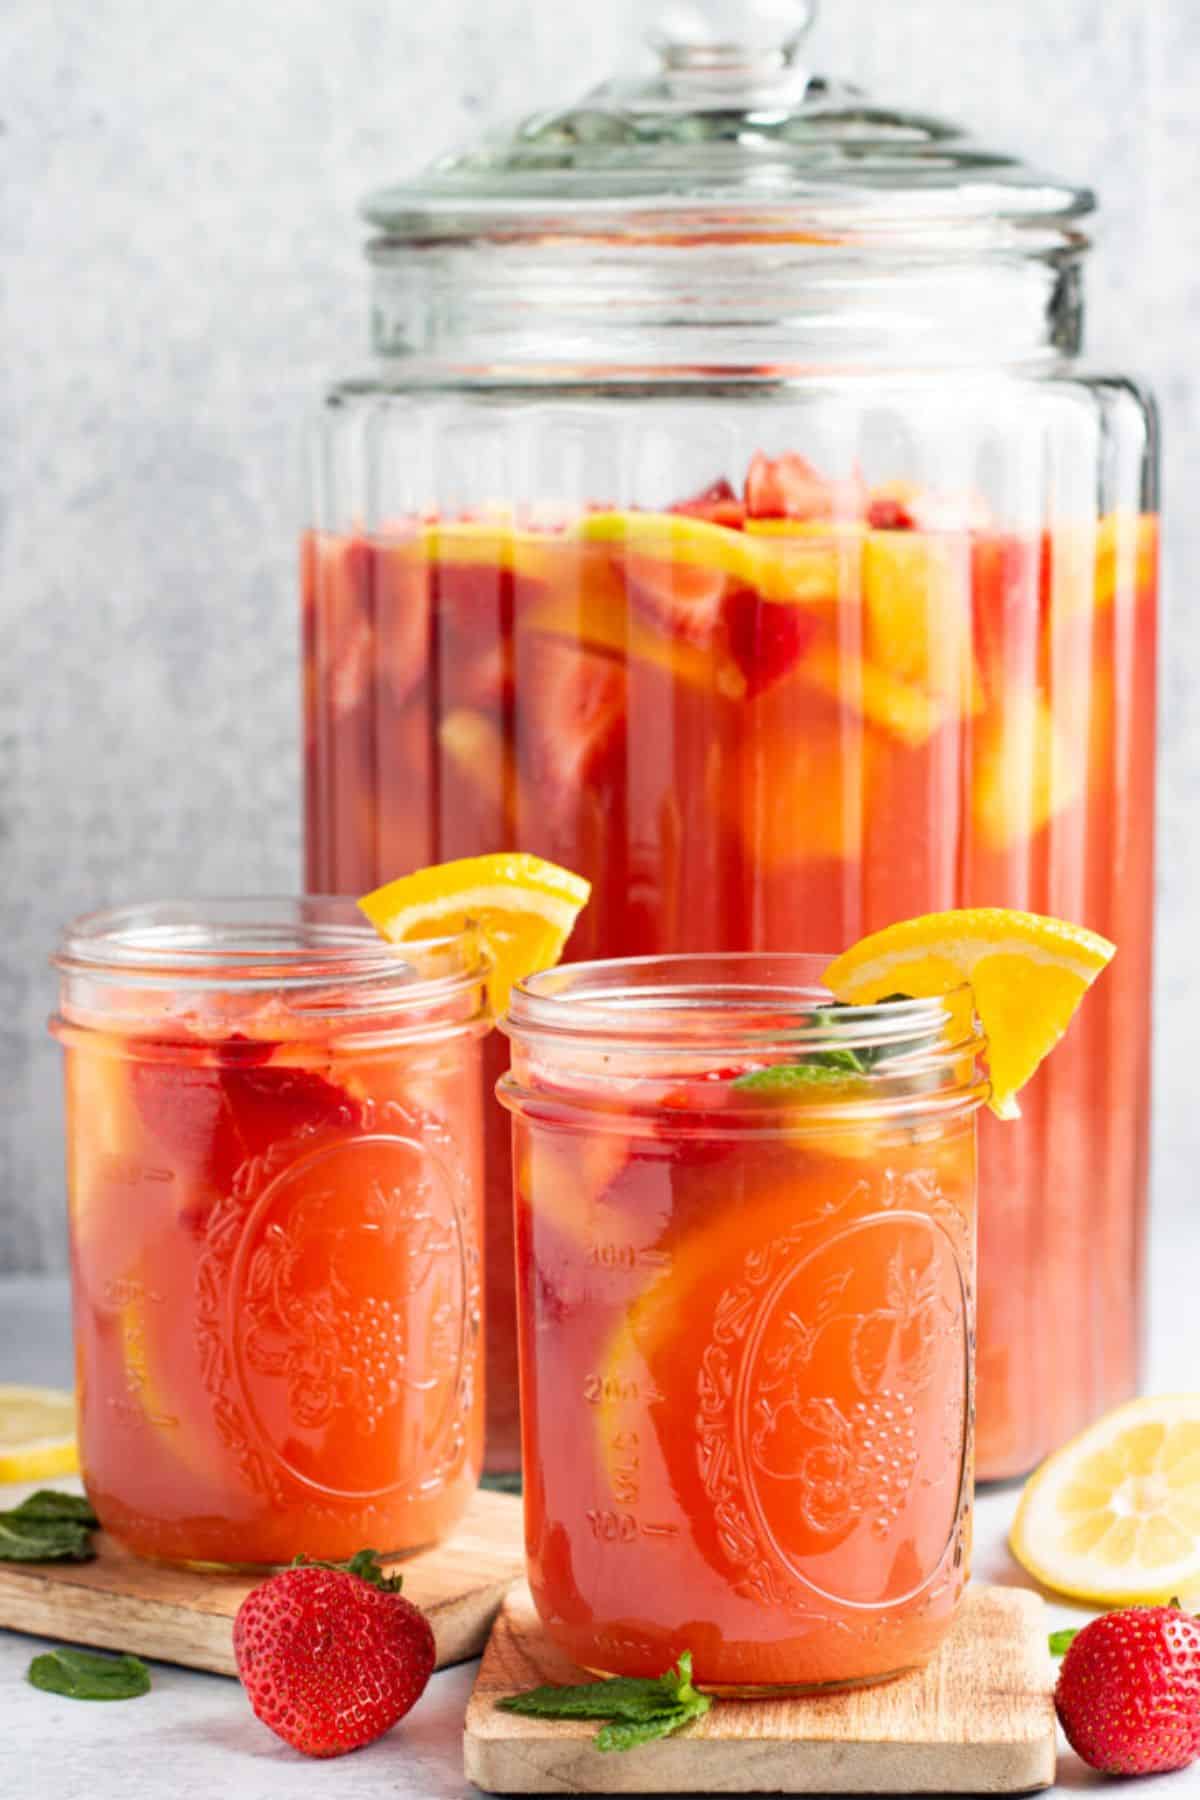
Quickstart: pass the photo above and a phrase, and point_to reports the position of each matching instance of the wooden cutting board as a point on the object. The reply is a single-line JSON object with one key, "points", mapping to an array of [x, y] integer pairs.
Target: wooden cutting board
{"points": [[978, 1719], [119, 1602]]}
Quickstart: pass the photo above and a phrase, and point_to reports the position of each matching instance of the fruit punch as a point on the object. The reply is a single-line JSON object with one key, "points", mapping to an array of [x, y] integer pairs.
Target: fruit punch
{"points": [[746, 1251], [275, 1179], [789, 715]]}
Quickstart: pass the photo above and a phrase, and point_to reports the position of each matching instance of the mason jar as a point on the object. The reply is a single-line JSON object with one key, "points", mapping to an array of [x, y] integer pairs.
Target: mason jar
{"points": [[727, 511], [745, 1226], [274, 1171]]}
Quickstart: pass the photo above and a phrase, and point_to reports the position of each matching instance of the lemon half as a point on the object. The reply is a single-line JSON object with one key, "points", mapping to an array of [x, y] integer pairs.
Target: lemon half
{"points": [[1114, 1516]]}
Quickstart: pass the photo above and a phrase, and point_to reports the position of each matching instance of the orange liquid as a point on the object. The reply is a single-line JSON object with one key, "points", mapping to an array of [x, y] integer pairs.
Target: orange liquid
{"points": [[951, 718], [746, 1397], [275, 1260]]}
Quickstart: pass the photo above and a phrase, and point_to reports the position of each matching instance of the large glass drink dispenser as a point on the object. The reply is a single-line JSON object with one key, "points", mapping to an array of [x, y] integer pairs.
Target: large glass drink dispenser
{"points": [[726, 512]]}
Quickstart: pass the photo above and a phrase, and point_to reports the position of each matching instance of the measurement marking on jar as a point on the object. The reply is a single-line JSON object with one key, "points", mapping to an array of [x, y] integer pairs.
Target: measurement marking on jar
{"points": [[624, 1528], [610, 1390], [626, 1256]]}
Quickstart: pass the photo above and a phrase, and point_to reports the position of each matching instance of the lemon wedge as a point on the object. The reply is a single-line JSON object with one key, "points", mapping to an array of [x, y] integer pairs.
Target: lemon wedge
{"points": [[523, 908], [1114, 1516], [1027, 974], [37, 1433]]}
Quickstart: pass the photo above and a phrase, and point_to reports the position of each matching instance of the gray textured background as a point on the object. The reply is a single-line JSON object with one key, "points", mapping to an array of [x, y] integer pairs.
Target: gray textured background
{"points": [[183, 273]]}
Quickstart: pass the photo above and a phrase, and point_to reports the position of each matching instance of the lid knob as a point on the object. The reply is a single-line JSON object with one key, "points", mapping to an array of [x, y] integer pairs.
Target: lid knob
{"points": [[731, 35]]}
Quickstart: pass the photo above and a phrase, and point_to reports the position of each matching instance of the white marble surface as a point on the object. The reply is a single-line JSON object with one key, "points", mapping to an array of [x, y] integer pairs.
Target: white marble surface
{"points": [[194, 1737], [183, 272]]}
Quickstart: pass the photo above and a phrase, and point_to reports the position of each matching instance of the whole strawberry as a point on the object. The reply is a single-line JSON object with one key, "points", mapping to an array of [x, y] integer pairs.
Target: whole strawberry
{"points": [[1128, 1694], [331, 1655]]}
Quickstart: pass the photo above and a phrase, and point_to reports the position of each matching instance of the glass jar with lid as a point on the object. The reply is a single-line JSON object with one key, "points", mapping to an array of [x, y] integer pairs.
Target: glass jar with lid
{"points": [[728, 513]]}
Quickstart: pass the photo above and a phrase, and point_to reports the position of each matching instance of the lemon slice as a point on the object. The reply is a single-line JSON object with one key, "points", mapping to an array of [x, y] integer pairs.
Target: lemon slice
{"points": [[1114, 1516], [37, 1433], [524, 909], [798, 572], [1027, 974]]}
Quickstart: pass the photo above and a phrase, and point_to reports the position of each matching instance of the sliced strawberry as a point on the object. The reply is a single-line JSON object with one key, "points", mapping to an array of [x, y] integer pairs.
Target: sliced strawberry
{"points": [[766, 638], [681, 598], [717, 503], [575, 705], [885, 513], [400, 605], [788, 487], [207, 1118]]}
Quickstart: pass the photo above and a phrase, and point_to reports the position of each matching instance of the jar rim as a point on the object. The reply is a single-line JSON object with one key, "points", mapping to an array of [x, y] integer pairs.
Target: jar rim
{"points": [[303, 944], [656, 1000]]}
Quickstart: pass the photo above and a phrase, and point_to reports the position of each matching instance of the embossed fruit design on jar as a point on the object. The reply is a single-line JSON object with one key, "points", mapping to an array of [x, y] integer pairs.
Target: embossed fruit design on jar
{"points": [[746, 1288], [274, 1156]]}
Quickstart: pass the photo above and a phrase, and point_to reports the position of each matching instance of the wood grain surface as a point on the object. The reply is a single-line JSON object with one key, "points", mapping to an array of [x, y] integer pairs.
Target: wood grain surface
{"points": [[120, 1602], [978, 1719]]}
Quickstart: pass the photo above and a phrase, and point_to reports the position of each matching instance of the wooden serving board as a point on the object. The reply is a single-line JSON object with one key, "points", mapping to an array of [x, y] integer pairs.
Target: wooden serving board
{"points": [[120, 1602], [978, 1719]]}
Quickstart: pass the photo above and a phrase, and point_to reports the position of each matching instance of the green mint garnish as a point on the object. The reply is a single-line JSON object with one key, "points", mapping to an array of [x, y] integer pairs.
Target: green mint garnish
{"points": [[826, 1065], [1061, 1641], [81, 1676], [48, 1527], [638, 1708], [365, 1564], [627, 1734], [782, 1076], [48, 1503]]}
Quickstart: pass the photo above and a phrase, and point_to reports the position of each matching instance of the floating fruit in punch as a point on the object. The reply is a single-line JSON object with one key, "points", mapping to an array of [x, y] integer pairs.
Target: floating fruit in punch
{"points": [[1114, 1516], [524, 909], [1027, 975], [790, 709]]}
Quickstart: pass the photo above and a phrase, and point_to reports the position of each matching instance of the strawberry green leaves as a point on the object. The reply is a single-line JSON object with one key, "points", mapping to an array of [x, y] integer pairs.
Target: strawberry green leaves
{"points": [[637, 1709], [365, 1564]]}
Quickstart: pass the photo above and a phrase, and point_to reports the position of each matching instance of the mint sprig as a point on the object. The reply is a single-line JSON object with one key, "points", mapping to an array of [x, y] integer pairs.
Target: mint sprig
{"points": [[48, 1527], [826, 1065], [638, 1708], [81, 1676], [365, 1564]]}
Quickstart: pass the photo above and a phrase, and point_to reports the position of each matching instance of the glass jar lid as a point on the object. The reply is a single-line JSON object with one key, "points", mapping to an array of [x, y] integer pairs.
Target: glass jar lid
{"points": [[733, 136]]}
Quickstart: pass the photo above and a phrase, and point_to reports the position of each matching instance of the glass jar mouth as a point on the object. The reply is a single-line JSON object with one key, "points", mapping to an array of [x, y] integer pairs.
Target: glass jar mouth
{"points": [[754, 1033], [312, 947], [746, 1000]]}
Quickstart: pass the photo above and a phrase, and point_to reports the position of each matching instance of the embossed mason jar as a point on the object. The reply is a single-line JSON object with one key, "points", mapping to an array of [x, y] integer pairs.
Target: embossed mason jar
{"points": [[745, 1227], [274, 1174]]}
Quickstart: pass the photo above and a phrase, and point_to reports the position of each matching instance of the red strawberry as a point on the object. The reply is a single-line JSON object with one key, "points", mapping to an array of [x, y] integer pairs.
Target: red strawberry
{"points": [[330, 1656], [575, 709], [788, 487], [717, 503], [1128, 1694], [683, 599], [766, 638]]}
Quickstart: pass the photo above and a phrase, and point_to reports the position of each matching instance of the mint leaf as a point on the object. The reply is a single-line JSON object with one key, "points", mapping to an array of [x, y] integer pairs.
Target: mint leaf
{"points": [[639, 1708], [81, 1676], [48, 1503], [628, 1734], [26, 1539], [365, 1564], [1061, 1641], [782, 1077], [827, 1065]]}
